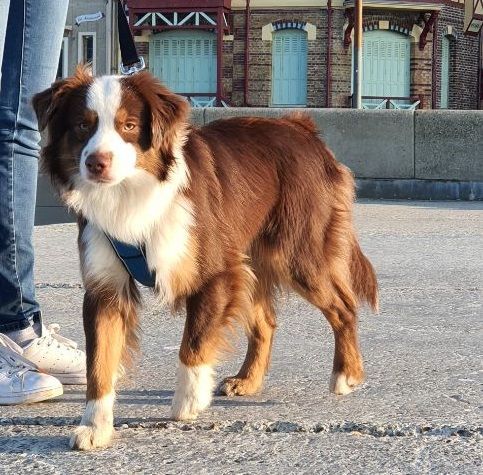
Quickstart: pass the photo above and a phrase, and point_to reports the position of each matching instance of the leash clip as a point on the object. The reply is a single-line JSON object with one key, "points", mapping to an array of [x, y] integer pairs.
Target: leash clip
{"points": [[133, 68]]}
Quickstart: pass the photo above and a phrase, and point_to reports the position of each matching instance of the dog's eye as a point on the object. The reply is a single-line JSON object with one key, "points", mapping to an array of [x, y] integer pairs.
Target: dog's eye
{"points": [[83, 126], [128, 126]]}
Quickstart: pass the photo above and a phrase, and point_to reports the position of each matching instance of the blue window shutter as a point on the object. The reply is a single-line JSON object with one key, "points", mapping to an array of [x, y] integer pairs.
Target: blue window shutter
{"points": [[289, 68], [185, 60], [385, 64]]}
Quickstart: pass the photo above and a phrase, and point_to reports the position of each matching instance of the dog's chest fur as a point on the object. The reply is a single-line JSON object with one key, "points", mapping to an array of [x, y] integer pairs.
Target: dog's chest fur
{"points": [[140, 211]]}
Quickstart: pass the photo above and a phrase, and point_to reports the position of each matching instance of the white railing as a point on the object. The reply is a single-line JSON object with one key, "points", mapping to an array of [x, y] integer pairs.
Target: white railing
{"points": [[386, 102], [198, 100]]}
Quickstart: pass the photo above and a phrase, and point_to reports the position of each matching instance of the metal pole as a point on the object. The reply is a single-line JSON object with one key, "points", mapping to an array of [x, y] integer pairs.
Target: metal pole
{"points": [[247, 53], [109, 37], [434, 76], [220, 27], [479, 100], [328, 78], [357, 72]]}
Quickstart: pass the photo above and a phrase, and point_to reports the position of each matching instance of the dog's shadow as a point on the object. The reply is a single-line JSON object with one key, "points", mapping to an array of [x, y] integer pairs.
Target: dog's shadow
{"points": [[159, 397], [141, 397]]}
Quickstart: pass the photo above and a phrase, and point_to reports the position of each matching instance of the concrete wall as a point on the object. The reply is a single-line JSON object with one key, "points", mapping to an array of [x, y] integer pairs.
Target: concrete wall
{"points": [[449, 145], [394, 154]]}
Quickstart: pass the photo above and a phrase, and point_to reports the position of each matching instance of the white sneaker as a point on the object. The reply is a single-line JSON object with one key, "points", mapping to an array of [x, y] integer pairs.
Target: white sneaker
{"points": [[20, 381], [57, 356]]}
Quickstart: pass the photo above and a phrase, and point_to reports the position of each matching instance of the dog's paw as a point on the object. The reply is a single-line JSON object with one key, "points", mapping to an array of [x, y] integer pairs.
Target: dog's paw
{"points": [[90, 437], [187, 405], [342, 384], [194, 390], [187, 409], [234, 386]]}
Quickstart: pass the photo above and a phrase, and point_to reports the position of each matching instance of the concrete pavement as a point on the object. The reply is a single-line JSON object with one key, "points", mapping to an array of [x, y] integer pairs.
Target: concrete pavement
{"points": [[418, 412]]}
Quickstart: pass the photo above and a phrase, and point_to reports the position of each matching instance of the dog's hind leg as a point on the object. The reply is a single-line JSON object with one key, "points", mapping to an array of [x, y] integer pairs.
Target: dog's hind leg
{"points": [[210, 314], [331, 291], [340, 312], [323, 274], [260, 332], [109, 324], [347, 371]]}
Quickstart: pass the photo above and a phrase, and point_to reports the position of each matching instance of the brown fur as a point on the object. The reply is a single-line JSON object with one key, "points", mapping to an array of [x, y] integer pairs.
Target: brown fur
{"points": [[111, 327], [273, 208]]}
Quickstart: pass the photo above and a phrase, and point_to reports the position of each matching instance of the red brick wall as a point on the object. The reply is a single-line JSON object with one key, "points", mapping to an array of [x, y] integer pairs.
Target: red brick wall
{"points": [[464, 63], [143, 50], [228, 70], [421, 72], [341, 62], [260, 70]]}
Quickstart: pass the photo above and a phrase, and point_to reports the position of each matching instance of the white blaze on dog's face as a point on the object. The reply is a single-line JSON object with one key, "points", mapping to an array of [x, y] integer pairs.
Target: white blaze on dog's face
{"points": [[108, 156]]}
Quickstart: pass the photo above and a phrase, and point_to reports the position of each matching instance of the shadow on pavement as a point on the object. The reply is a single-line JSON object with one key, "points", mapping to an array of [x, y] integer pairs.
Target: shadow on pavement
{"points": [[34, 444], [158, 397], [458, 205]]}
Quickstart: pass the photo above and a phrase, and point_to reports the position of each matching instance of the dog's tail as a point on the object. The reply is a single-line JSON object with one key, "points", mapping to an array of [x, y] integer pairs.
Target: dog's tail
{"points": [[364, 280]]}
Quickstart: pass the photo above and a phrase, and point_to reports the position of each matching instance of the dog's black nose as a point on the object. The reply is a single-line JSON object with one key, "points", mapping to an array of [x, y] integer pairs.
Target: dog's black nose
{"points": [[99, 162]]}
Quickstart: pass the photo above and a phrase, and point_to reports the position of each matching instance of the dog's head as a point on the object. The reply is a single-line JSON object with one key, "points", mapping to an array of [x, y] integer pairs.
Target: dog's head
{"points": [[103, 130]]}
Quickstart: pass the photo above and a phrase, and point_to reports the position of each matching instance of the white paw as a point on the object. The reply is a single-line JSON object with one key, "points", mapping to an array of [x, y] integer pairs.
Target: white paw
{"points": [[96, 426], [194, 390], [89, 437], [341, 384]]}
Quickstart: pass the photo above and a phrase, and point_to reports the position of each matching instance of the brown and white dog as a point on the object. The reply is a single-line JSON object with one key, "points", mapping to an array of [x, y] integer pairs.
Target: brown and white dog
{"points": [[227, 213]]}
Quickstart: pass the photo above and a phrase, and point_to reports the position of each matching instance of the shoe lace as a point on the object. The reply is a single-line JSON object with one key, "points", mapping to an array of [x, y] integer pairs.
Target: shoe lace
{"points": [[50, 337], [12, 362]]}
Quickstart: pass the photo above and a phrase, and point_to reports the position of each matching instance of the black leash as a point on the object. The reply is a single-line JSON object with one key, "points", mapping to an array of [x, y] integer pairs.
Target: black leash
{"points": [[131, 61]]}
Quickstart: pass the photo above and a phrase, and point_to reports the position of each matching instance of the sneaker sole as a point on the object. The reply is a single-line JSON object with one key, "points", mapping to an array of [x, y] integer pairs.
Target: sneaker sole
{"points": [[71, 378], [30, 398]]}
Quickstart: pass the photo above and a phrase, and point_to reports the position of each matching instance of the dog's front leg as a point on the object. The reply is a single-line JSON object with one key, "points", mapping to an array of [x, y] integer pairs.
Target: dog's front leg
{"points": [[203, 335], [105, 326]]}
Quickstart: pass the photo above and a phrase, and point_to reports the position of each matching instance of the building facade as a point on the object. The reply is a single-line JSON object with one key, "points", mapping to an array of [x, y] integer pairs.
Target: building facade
{"points": [[89, 37], [299, 52]]}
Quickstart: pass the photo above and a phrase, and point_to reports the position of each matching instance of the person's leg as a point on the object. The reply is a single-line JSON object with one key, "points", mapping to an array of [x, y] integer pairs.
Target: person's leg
{"points": [[36, 386], [4, 7], [30, 59]]}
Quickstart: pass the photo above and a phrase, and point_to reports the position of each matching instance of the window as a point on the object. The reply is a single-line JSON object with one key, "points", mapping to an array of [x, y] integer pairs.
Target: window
{"points": [[63, 68], [86, 52]]}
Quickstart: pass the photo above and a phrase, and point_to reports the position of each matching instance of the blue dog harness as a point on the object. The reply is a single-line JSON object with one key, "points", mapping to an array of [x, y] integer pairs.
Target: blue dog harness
{"points": [[134, 260]]}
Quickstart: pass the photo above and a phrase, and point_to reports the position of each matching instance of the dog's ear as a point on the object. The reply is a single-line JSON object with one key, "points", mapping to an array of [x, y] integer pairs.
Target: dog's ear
{"points": [[46, 103], [169, 118], [169, 112]]}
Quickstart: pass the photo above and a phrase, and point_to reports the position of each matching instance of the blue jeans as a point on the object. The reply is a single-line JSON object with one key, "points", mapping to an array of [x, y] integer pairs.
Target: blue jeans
{"points": [[30, 39]]}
